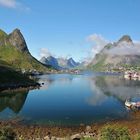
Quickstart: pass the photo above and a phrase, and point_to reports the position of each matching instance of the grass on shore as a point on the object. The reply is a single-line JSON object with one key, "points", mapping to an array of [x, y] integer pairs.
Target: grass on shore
{"points": [[108, 132]]}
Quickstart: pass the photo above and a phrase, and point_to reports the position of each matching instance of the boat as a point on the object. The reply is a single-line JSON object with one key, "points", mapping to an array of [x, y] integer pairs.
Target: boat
{"points": [[130, 104], [132, 75]]}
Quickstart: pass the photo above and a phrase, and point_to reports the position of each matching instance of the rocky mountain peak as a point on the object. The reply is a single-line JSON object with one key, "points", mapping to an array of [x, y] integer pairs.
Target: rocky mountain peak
{"points": [[125, 38], [72, 63], [70, 59], [16, 39], [43, 59]]}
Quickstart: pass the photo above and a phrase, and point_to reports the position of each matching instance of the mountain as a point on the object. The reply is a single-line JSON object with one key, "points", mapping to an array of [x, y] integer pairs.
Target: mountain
{"points": [[51, 61], [62, 62], [14, 101], [14, 51], [125, 38], [59, 63], [71, 63], [122, 54]]}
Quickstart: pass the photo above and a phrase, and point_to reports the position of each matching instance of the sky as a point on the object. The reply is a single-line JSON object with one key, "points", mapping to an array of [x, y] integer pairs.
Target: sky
{"points": [[70, 28]]}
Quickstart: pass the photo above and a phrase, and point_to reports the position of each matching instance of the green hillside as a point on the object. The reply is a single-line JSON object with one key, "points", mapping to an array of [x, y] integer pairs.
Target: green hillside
{"points": [[15, 59], [19, 60], [9, 78], [14, 51]]}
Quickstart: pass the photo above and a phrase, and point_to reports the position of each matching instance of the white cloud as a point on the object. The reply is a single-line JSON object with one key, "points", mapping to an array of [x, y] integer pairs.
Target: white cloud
{"points": [[44, 52], [8, 3], [14, 4], [126, 48], [98, 42]]}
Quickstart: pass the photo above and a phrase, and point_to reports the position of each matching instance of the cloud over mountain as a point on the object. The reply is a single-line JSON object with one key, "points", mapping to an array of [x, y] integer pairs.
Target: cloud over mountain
{"points": [[98, 42], [44, 52]]}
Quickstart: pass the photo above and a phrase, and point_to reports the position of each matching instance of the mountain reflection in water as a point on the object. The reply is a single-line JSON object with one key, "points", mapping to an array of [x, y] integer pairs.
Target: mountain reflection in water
{"points": [[72, 99], [13, 101], [117, 87]]}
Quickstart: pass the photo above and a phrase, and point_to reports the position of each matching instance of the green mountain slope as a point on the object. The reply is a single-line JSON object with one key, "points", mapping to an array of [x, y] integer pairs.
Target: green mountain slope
{"points": [[14, 51]]}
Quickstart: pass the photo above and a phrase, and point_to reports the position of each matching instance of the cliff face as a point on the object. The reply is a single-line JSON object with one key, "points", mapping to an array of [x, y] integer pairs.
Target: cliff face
{"points": [[16, 39]]}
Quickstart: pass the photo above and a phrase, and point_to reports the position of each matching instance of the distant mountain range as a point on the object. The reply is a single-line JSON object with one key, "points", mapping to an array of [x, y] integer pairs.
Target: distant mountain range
{"points": [[59, 63], [118, 55], [15, 53]]}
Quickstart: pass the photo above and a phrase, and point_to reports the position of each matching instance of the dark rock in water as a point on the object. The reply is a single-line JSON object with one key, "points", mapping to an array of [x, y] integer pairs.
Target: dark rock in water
{"points": [[16, 39]]}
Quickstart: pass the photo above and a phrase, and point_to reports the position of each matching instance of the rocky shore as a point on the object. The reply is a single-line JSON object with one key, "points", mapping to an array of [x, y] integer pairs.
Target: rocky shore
{"points": [[83, 132]]}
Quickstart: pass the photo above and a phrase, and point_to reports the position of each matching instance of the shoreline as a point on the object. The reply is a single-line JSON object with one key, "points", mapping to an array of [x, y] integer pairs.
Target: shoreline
{"points": [[38, 131], [6, 87]]}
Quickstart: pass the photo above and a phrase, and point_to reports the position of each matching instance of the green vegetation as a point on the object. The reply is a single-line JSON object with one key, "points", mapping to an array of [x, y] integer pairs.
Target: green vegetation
{"points": [[107, 132], [2, 34], [14, 51], [136, 136], [87, 139], [7, 133], [19, 60], [99, 66], [15, 59], [114, 133]]}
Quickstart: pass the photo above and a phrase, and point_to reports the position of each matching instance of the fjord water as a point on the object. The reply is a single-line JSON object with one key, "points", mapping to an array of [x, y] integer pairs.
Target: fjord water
{"points": [[66, 99]]}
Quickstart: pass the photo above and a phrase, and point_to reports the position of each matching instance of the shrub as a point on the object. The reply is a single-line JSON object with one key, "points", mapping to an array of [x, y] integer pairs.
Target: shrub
{"points": [[136, 137], [7, 133], [87, 139], [114, 133]]}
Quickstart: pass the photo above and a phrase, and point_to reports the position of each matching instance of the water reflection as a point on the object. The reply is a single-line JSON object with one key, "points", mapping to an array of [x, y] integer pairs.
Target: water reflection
{"points": [[104, 87], [13, 101], [72, 99], [48, 80]]}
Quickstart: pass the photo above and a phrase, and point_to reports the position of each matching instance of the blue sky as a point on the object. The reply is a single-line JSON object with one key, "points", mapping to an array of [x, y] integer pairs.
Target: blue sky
{"points": [[63, 27]]}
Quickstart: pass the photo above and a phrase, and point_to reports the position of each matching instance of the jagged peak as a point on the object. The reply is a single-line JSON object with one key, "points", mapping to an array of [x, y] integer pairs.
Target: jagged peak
{"points": [[16, 39], [70, 58], [125, 38], [43, 57], [16, 30]]}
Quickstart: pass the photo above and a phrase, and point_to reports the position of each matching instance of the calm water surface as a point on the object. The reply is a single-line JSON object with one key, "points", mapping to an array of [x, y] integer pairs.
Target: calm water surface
{"points": [[66, 99]]}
